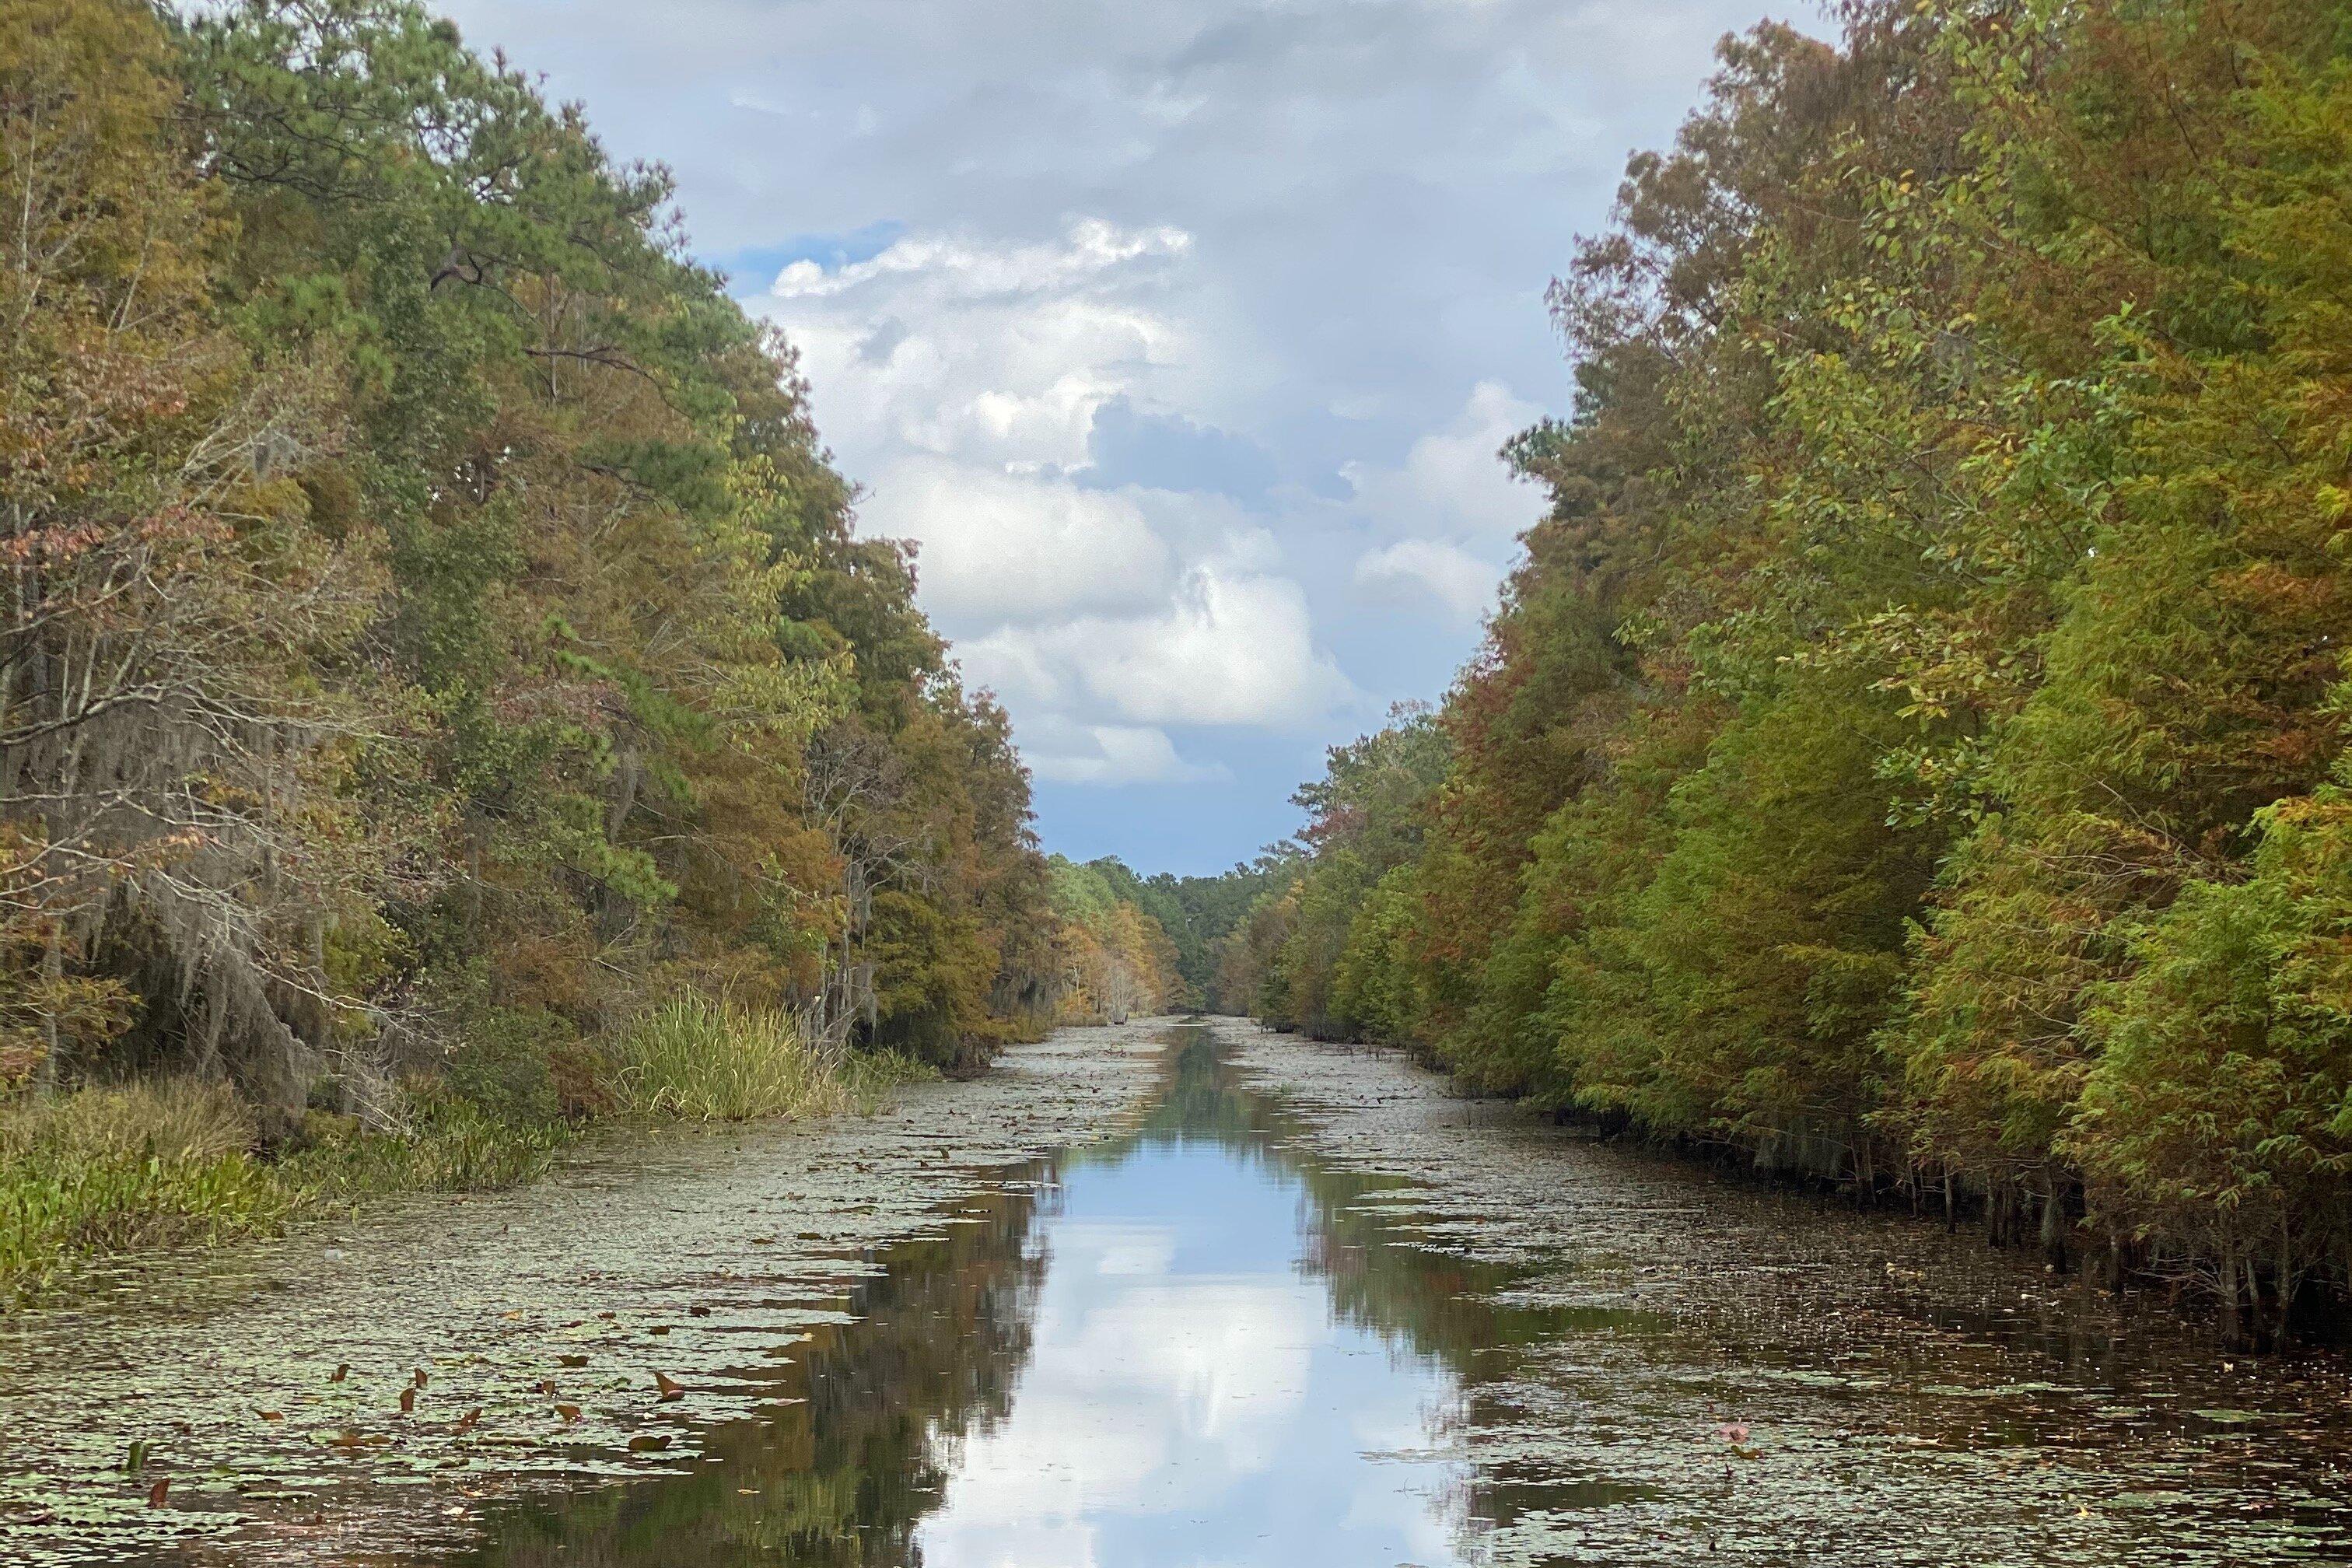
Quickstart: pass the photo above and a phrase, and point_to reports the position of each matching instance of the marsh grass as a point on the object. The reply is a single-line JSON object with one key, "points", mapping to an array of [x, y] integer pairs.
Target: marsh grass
{"points": [[165, 1162], [695, 1059], [449, 1144], [110, 1170], [170, 1162]]}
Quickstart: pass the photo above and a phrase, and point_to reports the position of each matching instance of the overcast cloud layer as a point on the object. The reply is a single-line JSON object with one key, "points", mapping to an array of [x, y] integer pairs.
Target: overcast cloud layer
{"points": [[1182, 336]]}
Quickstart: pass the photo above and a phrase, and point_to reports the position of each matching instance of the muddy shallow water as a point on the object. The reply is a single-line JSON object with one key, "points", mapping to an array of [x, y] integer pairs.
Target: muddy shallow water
{"points": [[1174, 1295]]}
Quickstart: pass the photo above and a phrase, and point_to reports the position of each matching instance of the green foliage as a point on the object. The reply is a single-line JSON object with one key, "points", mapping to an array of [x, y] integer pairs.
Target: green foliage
{"points": [[108, 1169], [1903, 752], [1115, 955], [171, 1163], [437, 631], [1195, 913], [2217, 1114], [1365, 820]]}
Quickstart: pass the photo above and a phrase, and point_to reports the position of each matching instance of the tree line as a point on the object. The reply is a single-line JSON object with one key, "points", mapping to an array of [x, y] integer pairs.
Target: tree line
{"points": [[1911, 750], [434, 632]]}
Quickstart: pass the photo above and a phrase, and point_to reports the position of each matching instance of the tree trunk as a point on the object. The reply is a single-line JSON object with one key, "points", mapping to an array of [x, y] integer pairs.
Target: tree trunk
{"points": [[2053, 1223], [2283, 1290], [2233, 1329], [53, 974]]}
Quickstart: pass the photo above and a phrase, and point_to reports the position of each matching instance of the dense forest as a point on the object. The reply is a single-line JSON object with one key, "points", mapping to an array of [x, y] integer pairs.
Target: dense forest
{"points": [[437, 649], [1911, 749], [1183, 920], [445, 696]]}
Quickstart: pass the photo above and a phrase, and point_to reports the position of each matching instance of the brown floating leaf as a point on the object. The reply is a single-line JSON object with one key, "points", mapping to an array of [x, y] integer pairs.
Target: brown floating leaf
{"points": [[421, 1378], [271, 1415], [569, 1412], [572, 1361], [465, 1423], [698, 1312], [346, 1438], [606, 1316], [156, 1493], [658, 1329], [407, 1400], [343, 1371], [648, 1445], [670, 1388], [547, 1386]]}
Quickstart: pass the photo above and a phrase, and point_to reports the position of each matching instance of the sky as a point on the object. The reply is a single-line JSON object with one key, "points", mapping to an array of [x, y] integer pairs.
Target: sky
{"points": [[1181, 336]]}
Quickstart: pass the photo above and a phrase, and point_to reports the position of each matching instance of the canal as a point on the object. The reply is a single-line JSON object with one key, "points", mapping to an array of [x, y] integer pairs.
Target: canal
{"points": [[1214, 1340], [1184, 1294]]}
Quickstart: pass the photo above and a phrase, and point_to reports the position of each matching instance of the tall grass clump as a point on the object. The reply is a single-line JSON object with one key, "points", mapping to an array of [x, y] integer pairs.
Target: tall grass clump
{"points": [[697, 1060], [871, 1075], [447, 1145], [100, 1170]]}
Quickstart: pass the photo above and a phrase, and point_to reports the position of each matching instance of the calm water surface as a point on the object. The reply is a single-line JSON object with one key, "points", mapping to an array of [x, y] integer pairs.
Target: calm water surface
{"points": [[1199, 1344], [1162, 1352], [1353, 1325]]}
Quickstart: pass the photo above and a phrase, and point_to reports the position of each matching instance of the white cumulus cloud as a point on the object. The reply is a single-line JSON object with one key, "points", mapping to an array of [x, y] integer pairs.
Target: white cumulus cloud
{"points": [[1226, 649], [953, 266], [966, 379], [1000, 548], [1450, 483], [1428, 571], [993, 354], [1110, 754]]}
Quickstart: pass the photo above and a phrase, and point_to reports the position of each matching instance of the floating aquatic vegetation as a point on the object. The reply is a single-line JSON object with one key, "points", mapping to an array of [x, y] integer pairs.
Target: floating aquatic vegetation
{"points": [[332, 1326], [1802, 1373], [1655, 1365]]}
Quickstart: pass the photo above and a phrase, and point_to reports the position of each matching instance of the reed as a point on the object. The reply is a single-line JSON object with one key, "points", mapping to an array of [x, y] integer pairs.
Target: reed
{"points": [[697, 1060]]}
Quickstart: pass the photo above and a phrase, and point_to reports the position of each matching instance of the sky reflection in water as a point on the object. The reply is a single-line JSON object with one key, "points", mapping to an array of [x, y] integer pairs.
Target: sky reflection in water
{"points": [[1183, 1347], [1196, 1346], [1193, 1397]]}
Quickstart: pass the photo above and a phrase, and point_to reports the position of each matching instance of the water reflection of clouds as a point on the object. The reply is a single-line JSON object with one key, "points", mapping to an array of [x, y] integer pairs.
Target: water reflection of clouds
{"points": [[1191, 1398]]}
